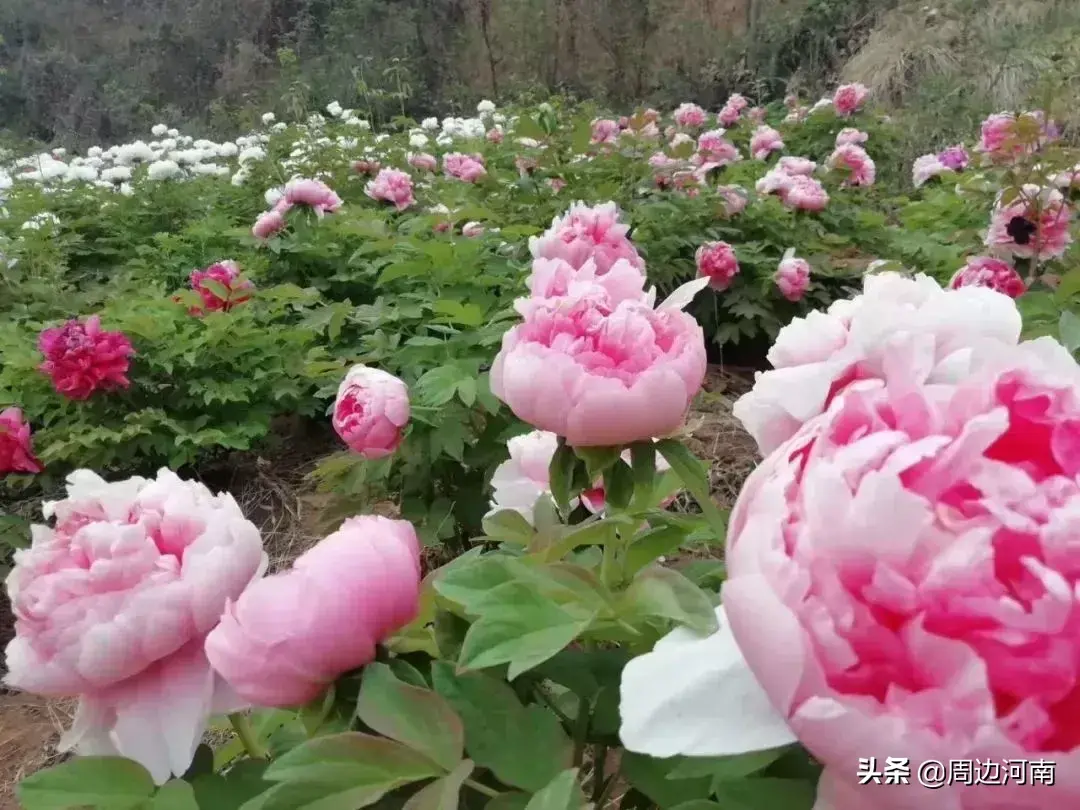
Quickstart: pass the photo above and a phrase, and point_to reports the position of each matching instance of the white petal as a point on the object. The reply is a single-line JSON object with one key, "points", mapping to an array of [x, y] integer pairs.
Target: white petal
{"points": [[695, 695], [684, 294]]}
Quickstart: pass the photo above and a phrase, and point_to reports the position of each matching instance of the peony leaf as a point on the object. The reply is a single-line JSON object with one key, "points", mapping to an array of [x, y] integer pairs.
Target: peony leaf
{"points": [[508, 525], [444, 793], [1069, 330], [174, 795], [352, 761], [649, 545], [665, 593], [561, 793], [692, 473], [113, 782]]}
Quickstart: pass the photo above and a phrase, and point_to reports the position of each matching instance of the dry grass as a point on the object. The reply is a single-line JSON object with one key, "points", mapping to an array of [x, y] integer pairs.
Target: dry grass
{"points": [[30, 727]]}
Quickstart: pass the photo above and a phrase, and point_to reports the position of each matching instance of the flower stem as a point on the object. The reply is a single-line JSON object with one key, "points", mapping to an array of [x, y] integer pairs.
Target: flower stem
{"points": [[479, 788], [242, 726]]}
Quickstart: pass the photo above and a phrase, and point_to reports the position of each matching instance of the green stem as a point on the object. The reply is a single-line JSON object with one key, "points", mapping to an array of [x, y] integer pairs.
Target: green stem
{"points": [[242, 726], [479, 788]]}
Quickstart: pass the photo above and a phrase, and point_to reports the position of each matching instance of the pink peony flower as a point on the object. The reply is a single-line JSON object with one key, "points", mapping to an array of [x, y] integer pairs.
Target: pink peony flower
{"points": [[804, 194], [689, 115], [851, 135], [716, 261], [289, 636], [816, 357], [16, 448], [368, 167], [1006, 137], [854, 161], [495, 136], [424, 162], [791, 101], [556, 278], [849, 98], [81, 358], [392, 186], [520, 481], [238, 290], [604, 130], [926, 168], [662, 162], [713, 147], [463, 167], [1034, 225], [624, 122], [986, 271], [735, 199], [792, 276], [268, 224], [650, 116], [587, 232], [737, 102], [371, 411], [764, 142], [601, 375], [113, 603], [728, 116], [556, 184], [313, 193], [679, 139], [471, 230], [955, 158], [756, 115], [796, 165]]}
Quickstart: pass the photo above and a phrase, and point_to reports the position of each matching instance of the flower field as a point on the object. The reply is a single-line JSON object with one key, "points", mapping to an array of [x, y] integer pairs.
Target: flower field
{"points": [[481, 339]]}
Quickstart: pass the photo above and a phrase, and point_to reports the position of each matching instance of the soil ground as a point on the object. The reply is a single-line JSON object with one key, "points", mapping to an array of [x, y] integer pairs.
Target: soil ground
{"points": [[277, 496]]}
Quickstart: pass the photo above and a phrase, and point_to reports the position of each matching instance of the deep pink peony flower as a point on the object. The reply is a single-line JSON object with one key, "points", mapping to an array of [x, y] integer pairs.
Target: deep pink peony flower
{"points": [[371, 411], [986, 271], [226, 273], [81, 358], [424, 162], [764, 142], [604, 130], [392, 186], [689, 115], [466, 168], [1006, 137], [268, 224], [851, 135], [853, 160], [792, 276], [290, 635], [804, 194], [796, 165], [816, 357], [716, 261], [587, 232], [313, 193], [1034, 225], [849, 98], [16, 448], [113, 603], [955, 158], [598, 374]]}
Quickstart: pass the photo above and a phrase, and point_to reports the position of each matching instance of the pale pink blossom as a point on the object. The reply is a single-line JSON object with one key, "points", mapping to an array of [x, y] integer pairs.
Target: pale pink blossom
{"points": [[392, 186], [424, 162], [764, 142], [791, 101], [728, 116], [849, 98], [113, 603], [775, 181], [1006, 137], [604, 130], [520, 481], [556, 278], [81, 358], [717, 262], [735, 199], [587, 232], [466, 168], [792, 276], [268, 224], [1033, 225], [737, 101], [650, 116], [986, 271], [313, 193], [851, 135], [471, 230], [371, 411], [804, 194], [16, 449], [756, 115], [926, 168], [713, 147], [796, 165], [495, 135], [290, 635], [857, 166], [662, 162], [689, 115], [679, 139]]}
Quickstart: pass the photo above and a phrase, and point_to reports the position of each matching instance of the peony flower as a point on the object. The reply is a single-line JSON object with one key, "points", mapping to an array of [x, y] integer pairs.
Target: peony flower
{"points": [[556, 278], [520, 481], [81, 358], [851, 135], [679, 139], [371, 411], [689, 115], [366, 167], [737, 101], [734, 197], [816, 357], [650, 116], [713, 147], [955, 158], [290, 635], [775, 181], [556, 184], [855, 162], [471, 230], [392, 186], [226, 273], [16, 449], [494, 135], [717, 262], [604, 130], [112, 605], [804, 194], [757, 115], [601, 374], [728, 116], [848, 98], [901, 583], [986, 271], [424, 162], [466, 168], [313, 193], [1033, 225], [792, 276], [268, 224], [587, 232], [764, 142], [796, 165], [926, 168]]}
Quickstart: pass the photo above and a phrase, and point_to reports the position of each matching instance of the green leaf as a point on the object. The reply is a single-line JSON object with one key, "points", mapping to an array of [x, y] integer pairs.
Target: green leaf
{"points": [[524, 746], [112, 782], [352, 760], [649, 776], [643, 465], [1069, 330], [618, 485], [690, 471], [667, 594], [597, 459], [561, 476], [509, 526], [471, 584], [528, 127], [522, 628], [467, 391], [723, 769], [765, 793], [444, 793], [418, 718], [646, 547], [561, 793], [174, 795], [511, 800], [242, 782], [217, 288]]}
